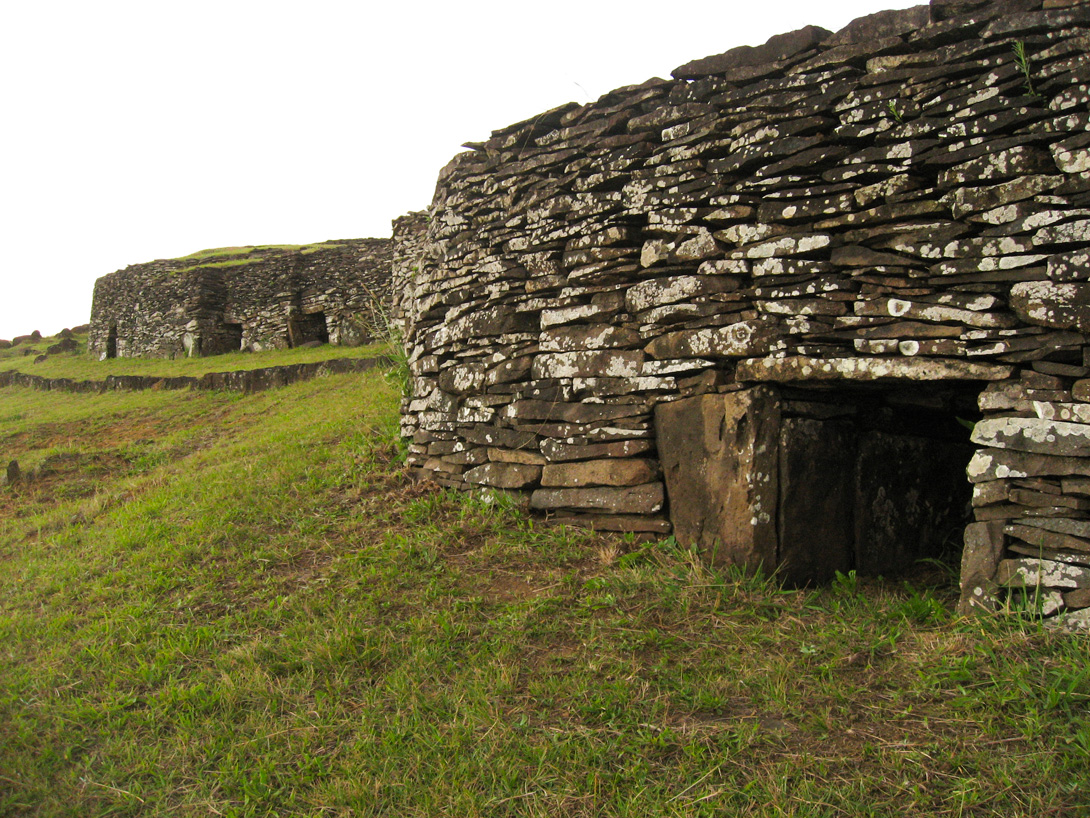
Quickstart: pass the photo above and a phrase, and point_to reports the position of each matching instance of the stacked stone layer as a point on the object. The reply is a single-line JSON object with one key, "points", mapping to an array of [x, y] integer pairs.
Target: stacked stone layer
{"points": [[904, 201], [265, 298], [239, 380], [409, 233]]}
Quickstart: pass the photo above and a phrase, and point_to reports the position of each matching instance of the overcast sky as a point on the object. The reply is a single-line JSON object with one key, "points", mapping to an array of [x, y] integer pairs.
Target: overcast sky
{"points": [[140, 130]]}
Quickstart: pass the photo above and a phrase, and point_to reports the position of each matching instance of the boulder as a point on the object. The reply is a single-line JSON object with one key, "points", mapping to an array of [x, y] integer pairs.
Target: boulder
{"points": [[69, 344]]}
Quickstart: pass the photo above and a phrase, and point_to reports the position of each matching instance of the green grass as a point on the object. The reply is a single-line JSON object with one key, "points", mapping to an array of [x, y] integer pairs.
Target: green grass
{"points": [[216, 604], [233, 262], [245, 250], [216, 252], [78, 365], [253, 253]]}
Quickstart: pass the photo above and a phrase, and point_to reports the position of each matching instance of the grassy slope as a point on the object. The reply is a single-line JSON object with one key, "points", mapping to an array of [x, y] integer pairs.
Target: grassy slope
{"points": [[215, 604], [78, 365]]}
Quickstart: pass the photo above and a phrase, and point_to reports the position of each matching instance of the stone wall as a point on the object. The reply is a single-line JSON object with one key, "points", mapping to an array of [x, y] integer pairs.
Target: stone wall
{"points": [[899, 210], [238, 380], [409, 234], [242, 298]]}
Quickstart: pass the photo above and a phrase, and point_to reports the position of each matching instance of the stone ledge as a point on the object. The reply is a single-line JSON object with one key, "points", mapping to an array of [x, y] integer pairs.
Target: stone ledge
{"points": [[800, 368], [244, 380]]}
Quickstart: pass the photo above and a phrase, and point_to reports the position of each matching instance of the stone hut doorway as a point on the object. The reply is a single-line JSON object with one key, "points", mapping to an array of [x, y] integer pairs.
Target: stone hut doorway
{"points": [[111, 342], [307, 328], [806, 481], [232, 336]]}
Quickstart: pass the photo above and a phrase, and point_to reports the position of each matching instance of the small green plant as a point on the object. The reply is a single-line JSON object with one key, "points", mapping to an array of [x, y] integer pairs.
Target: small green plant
{"points": [[846, 585], [391, 334], [892, 106], [1021, 59]]}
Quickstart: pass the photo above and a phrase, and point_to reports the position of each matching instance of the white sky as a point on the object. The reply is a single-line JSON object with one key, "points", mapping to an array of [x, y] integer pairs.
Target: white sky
{"points": [[131, 131]]}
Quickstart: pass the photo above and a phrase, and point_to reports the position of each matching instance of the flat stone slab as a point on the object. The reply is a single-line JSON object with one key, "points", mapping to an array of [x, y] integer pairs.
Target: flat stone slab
{"points": [[1037, 435], [1032, 573], [504, 475], [799, 368], [1003, 464], [645, 499], [1053, 304], [732, 341], [1074, 622], [776, 48], [719, 454], [1046, 538], [591, 363], [611, 472]]}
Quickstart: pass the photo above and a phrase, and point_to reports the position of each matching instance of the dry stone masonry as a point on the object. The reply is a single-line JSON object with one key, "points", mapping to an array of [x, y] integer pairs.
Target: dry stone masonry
{"points": [[243, 298], [762, 303], [409, 234]]}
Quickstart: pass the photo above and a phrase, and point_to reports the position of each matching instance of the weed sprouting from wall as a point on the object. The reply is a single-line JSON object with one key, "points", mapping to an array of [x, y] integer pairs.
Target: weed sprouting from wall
{"points": [[1021, 59], [391, 334]]}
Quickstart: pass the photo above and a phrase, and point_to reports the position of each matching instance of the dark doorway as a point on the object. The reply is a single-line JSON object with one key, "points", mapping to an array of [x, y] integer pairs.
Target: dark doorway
{"points": [[882, 471], [809, 482], [233, 334], [111, 342], [229, 337], [307, 329]]}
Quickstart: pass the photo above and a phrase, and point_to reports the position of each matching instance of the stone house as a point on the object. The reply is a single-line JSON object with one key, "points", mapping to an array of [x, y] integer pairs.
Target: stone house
{"points": [[243, 298], [785, 302]]}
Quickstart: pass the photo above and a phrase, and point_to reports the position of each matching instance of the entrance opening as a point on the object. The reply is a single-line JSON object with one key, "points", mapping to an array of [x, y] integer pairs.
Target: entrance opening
{"points": [[308, 328], [227, 338], [873, 481], [233, 336], [807, 482], [111, 342]]}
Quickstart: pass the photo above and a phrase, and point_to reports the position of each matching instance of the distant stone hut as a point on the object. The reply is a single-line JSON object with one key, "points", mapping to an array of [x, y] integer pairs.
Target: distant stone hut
{"points": [[762, 304], [249, 298]]}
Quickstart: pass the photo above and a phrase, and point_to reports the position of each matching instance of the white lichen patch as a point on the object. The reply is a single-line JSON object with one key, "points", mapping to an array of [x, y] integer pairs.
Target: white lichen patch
{"points": [[659, 291], [1073, 412], [1073, 622], [568, 315], [1041, 573], [786, 246], [896, 307], [1033, 435]]}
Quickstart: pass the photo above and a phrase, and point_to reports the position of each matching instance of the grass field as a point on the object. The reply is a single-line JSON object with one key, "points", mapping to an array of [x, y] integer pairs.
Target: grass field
{"points": [[215, 604], [78, 365]]}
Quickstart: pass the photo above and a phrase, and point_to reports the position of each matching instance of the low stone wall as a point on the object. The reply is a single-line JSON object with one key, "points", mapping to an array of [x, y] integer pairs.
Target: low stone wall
{"points": [[900, 204], [242, 380], [243, 298]]}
